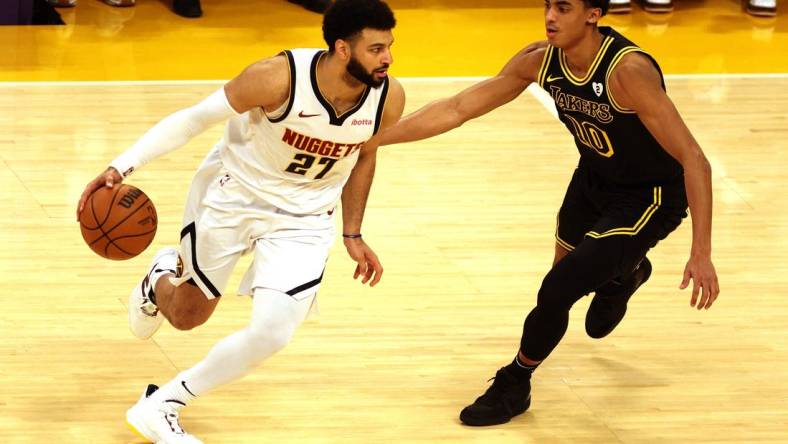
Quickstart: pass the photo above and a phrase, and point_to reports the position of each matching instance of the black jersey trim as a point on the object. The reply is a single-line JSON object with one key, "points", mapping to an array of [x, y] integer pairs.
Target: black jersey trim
{"points": [[617, 58], [381, 105], [564, 244], [191, 231], [305, 286], [635, 229], [548, 55], [291, 98], [594, 65], [624, 51], [334, 119]]}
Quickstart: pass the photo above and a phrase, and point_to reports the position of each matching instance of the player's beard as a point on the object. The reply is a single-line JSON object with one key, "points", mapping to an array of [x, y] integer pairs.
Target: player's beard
{"points": [[357, 71]]}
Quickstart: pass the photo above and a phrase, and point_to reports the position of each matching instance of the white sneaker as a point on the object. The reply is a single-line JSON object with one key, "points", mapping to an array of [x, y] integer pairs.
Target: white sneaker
{"points": [[658, 6], [762, 8], [157, 422], [619, 6], [144, 318]]}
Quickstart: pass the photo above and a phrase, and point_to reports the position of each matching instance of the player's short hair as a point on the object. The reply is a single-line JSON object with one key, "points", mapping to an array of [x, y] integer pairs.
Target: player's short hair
{"points": [[601, 4], [345, 19]]}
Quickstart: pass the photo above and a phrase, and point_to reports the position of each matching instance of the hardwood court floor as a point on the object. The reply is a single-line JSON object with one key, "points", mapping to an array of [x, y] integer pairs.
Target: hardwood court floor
{"points": [[463, 224]]}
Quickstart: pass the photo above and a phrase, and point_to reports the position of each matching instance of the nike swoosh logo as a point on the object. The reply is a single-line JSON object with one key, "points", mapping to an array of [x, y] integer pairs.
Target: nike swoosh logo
{"points": [[553, 79], [301, 114]]}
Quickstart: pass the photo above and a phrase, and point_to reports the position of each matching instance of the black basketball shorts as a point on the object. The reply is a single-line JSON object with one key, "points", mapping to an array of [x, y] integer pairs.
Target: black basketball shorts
{"points": [[641, 215]]}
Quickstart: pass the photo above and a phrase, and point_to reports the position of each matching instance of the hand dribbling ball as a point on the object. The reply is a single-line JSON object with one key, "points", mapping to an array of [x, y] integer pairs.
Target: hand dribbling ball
{"points": [[118, 223]]}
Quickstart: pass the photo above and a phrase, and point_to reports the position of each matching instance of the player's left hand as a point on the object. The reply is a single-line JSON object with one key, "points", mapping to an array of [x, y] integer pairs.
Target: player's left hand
{"points": [[704, 281], [368, 264]]}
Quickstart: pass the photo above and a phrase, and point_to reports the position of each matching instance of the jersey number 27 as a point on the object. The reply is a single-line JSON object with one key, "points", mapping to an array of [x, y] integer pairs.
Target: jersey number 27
{"points": [[303, 162]]}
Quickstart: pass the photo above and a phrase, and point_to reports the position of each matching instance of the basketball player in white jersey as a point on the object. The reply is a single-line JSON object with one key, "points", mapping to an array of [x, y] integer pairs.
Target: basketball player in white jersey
{"points": [[302, 130]]}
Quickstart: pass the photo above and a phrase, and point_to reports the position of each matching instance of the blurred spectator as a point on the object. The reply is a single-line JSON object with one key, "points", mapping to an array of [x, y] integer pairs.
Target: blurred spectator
{"points": [[187, 8], [28, 12], [70, 3], [619, 6], [192, 8], [184, 8], [624, 6]]}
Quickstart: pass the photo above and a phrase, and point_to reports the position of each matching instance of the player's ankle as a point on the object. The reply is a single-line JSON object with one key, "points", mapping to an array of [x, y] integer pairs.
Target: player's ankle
{"points": [[522, 368]]}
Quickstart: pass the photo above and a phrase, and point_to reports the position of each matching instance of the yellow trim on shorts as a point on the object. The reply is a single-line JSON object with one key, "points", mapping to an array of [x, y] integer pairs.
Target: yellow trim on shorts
{"points": [[616, 59], [565, 245], [635, 229], [599, 55], [548, 54]]}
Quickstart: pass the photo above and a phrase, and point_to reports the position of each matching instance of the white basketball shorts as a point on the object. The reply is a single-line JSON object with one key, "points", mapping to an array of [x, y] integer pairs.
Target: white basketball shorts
{"points": [[223, 221]]}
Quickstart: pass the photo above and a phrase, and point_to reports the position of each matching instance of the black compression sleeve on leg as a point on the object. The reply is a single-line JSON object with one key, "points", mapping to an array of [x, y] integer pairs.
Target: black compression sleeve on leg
{"points": [[592, 263]]}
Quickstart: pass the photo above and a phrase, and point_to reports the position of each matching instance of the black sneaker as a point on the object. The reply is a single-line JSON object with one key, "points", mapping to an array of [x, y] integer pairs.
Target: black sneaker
{"points": [[609, 305], [506, 398], [187, 8]]}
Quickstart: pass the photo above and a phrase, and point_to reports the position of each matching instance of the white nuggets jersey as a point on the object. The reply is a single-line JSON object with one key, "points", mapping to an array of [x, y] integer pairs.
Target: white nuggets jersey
{"points": [[300, 160]]}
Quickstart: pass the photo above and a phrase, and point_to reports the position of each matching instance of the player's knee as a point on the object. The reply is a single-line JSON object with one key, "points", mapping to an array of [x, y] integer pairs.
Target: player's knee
{"points": [[270, 335], [554, 294]]}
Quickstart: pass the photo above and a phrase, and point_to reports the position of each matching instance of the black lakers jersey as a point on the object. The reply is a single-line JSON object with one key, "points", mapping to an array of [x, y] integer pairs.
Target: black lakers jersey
{"points": [[612, 141]]}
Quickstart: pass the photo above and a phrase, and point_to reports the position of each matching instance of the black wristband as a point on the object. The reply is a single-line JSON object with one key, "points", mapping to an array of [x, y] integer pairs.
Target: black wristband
{"points": [[352, 236]]}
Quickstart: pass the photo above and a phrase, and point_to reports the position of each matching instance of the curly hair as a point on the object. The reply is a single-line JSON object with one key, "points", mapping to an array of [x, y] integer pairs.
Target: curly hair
{"points": [[345, 19]]}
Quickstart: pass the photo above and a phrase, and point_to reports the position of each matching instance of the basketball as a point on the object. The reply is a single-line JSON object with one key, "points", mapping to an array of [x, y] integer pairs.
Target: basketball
{"points": [[118, 223]]}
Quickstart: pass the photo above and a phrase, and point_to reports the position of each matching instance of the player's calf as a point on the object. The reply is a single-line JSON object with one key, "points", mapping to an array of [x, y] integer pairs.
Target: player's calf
{"points": [[186, 307]]}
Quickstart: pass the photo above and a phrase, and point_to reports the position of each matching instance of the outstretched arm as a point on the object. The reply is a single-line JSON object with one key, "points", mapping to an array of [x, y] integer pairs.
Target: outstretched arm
{"points": [[169, 134], [449, 113], [356, 191], [635, 84], [263, 84]]}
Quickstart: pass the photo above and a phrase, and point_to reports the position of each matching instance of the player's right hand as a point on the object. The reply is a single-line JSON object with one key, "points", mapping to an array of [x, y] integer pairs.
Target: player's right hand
{"points": [[106, 179], [368, 266], [701, 271]]}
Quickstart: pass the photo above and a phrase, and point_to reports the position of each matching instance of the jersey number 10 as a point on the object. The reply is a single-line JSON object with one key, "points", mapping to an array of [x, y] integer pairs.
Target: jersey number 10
{"points": [[591, 136]]}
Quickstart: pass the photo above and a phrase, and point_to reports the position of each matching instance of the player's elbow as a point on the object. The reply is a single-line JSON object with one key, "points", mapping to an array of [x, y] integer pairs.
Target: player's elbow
{"points": [[697, 161], [457, 113]]}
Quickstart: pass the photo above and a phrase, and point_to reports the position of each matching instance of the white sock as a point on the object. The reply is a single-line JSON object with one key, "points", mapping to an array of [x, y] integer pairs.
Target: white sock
{"points": [[275, 317], [174, 391], [167, 263]]}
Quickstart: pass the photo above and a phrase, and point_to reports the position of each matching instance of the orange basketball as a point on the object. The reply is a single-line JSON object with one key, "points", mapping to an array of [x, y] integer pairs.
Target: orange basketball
{"points": [[119, 222]]}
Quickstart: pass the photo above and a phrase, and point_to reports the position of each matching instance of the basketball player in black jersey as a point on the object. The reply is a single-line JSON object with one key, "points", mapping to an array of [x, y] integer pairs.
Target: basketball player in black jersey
{"points": [[639, 168]]}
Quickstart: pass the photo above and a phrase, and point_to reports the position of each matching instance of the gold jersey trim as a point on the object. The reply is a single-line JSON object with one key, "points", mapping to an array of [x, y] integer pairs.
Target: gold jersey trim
{"points": [[548, 55], [635, 229], [564, 244], [621, 53], [594, 65]]}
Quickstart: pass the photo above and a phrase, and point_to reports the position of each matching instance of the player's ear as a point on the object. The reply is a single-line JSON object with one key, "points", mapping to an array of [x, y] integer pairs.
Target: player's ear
{"points": [[594, 14], [342, 49]]}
